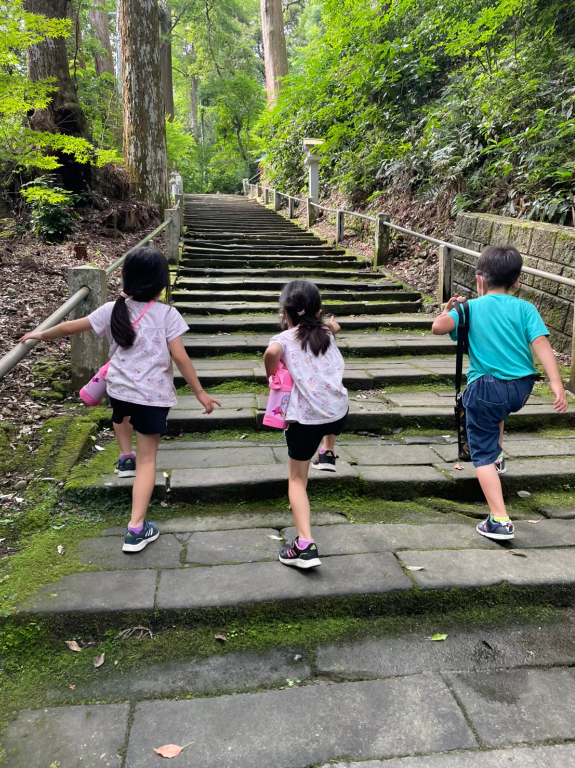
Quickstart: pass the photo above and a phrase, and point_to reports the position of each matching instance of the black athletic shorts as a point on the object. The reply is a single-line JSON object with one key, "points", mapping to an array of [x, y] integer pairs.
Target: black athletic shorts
{"points": [[146, 419], [303, 440]]}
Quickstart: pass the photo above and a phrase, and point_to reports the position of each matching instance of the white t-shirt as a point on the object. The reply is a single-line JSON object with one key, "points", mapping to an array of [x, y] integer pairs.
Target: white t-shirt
{"points": [[142, 373], [318, 395]]}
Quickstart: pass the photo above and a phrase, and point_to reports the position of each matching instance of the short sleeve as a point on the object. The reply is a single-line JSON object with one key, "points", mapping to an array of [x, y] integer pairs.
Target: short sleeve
{"points": [[100, 318], [534, 325], [175, 325], [278, 339], [454, 315]]}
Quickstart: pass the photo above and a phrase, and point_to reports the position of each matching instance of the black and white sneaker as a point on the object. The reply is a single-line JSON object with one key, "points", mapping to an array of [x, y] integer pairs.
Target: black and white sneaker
{"points": [[500, 464], [126, 467], [325, 461], [300, 558], [136, 542]]}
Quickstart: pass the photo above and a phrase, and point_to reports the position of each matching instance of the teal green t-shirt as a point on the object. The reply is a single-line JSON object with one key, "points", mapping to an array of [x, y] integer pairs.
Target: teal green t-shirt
{"points": [[501, 328]]}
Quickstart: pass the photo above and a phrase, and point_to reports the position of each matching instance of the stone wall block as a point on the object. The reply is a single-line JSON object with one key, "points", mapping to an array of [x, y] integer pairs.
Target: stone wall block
{"points": [[501, 233], [483, 229], [565, 292], [542, 243], [465, 225], [521, 236], [564, 250]]}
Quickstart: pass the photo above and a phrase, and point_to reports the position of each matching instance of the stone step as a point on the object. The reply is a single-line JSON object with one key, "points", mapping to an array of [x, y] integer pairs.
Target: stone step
{"points": [[272, 262], [219, 238], [274, 284], [184, 293], [350, 345], [277, 272], [299, 253], [355, 308], [270, 323]]}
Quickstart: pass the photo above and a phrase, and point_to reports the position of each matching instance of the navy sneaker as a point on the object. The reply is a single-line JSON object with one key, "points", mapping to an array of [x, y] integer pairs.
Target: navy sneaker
{"points": [[300, 558], [500, 464], [499, 530], [325, 461], [136, 542], [126, 467]]}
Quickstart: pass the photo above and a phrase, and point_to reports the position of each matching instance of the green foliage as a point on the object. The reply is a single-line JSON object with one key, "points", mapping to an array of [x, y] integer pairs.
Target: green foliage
{"points": [[51, 217], [469, 104]]}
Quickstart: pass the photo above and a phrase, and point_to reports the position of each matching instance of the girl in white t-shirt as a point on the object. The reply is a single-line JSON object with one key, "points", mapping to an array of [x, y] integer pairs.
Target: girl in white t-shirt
{"points": [[318, 404], [145, 336]]}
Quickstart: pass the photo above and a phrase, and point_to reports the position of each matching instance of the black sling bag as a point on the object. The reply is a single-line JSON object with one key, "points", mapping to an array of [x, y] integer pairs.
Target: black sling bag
{"points": [[462, 348]]}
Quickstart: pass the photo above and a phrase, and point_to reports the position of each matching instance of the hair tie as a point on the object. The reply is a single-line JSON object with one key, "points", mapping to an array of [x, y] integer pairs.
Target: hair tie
{"points": [[299, 314], [124, 295]]}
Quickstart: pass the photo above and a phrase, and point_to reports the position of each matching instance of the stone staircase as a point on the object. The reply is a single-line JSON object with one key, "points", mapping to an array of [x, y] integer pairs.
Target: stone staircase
{"points": [[395, 529]]}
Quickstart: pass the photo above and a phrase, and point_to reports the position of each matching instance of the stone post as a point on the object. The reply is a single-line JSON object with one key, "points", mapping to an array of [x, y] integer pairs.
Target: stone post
{"points": [[445, 274], [180, 200], [172, 236], [311, 213], [258, 191], [245, 184], [266, 196], [312, 161], [89, 352], [572, 374], [339, 217], [381, 250], [291, 202], [277, 200]]}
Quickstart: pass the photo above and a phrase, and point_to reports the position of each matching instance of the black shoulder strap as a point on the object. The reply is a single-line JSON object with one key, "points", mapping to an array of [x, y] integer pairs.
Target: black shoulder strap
{"points": [[462, 342]]}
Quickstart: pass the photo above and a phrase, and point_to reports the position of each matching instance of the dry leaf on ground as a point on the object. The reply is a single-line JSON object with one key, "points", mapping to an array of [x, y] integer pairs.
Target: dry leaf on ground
{"points": [[275, 538], [223, 638], [517, 554], [170, 750], [534, 522], [415, 568], [73, 645], [438, 638], [523, 494], [60, 549], [458, 467], [72, 687], [99, 660]]}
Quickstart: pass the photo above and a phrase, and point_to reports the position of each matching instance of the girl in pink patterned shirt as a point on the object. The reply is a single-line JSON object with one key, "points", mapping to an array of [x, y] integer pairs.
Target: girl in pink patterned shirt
{"points": [[145, 336]]}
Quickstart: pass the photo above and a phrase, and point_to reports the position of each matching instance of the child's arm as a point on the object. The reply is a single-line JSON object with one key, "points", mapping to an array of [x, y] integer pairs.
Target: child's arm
{"points": [[69, 328], [186, 368], [333, 325], [545, 354], [272, 357], [443, 323]]}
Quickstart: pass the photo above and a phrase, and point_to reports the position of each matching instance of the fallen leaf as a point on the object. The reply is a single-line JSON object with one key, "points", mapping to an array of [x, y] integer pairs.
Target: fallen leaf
{"points": [[534, 522], [516, 553], [72, 687], [438, 637], [166, 475], [458, 467], [1, 540], [415, 568], [60, 549], [487, 645], [170, 750], [275, 538], [73, 645], [223, 638], [19, 499], [523, 494], [99, 660], [99, 448], [243, 437], [163, 504]]}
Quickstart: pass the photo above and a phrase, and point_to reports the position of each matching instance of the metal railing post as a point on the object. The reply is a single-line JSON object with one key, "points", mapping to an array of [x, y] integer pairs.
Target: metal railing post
{"points": [[277, 200], [381, 249], [445, 287], [311, 213], [88, 351], [339, 225], [291, 202], [172, 237]]}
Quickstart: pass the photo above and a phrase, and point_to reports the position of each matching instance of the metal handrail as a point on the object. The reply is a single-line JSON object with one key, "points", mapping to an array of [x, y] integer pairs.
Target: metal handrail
{"points": [[17, 353]]}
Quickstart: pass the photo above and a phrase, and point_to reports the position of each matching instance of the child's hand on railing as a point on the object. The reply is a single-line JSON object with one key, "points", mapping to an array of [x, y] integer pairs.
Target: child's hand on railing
{"points": [[32, 335], [207, 401]]}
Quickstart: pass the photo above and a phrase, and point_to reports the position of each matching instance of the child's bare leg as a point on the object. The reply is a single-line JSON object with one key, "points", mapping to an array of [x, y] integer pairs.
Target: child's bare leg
{"points": [[124, 432], [491, 487], [299, 502], [145, 478], [328, 443], [501, 429]]}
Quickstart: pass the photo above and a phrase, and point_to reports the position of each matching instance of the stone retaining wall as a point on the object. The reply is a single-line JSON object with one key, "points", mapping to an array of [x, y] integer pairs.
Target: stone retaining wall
{"points": [[548, 247]]}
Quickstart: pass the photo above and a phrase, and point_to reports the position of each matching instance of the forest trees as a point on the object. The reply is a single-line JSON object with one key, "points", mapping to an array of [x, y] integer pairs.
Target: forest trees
{"points": [[275, 50]]}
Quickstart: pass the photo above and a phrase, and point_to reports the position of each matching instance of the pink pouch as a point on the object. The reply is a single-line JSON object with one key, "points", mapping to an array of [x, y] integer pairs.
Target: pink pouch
{"points": [[94, 391], [281, 385]]}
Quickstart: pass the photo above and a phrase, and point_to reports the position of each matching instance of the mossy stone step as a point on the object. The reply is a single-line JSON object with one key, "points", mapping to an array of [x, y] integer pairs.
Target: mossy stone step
{"points": [[248, 283], [279, 271], [270, 323], [344, 307], [271, 262], [186, 293]]}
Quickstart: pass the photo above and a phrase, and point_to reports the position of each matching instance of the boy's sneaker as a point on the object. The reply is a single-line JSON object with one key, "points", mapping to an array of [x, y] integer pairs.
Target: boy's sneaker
{"points": [[126, 467], [500, 464], [300, 558], [325, 461], [135, 542], [499, 530]]}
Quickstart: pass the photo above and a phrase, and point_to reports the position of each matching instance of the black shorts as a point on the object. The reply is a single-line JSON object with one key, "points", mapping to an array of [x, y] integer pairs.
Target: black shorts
{"points": [[303, 440], [146, 419]]}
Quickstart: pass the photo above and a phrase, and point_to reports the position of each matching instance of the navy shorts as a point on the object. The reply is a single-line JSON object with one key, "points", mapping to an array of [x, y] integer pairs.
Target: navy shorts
{"points": [[488, 401], [146, 419], [303, 439]]}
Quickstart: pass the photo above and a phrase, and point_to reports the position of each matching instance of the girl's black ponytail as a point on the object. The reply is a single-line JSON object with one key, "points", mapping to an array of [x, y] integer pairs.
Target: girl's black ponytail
{"points": [[145, 274], [301, 300]]}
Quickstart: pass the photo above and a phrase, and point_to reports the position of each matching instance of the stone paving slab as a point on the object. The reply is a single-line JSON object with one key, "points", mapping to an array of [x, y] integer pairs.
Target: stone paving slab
{"points": [[221, 418], [402, 475], [94, 592], [476, 568], [519, 705], [245, 546], [558, 756], [229, 402], [190, 458], [106, 552], [115, 483], [367, 719], [233, 585], [477, 649], [391, 455], [520, 469], [69, 737]]}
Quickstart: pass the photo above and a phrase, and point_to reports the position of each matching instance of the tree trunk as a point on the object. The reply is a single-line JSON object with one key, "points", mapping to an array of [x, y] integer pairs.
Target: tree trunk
{"points": [[103, 59], [144, 122], [194, 105], [78, 59], [64, 113], [275, 51], [166, 58]]}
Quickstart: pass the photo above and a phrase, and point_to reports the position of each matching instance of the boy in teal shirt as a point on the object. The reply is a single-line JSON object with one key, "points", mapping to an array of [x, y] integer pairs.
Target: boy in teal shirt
{"points": [[501, 372]]}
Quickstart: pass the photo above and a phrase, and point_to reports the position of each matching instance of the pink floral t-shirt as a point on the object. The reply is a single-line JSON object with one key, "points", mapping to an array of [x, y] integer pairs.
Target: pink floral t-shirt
{"points": [[318, 395], [142, 373]]}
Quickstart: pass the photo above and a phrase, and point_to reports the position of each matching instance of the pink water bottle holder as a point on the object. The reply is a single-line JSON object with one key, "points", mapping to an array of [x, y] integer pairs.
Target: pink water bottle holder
{"points": [[281, 385]]}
